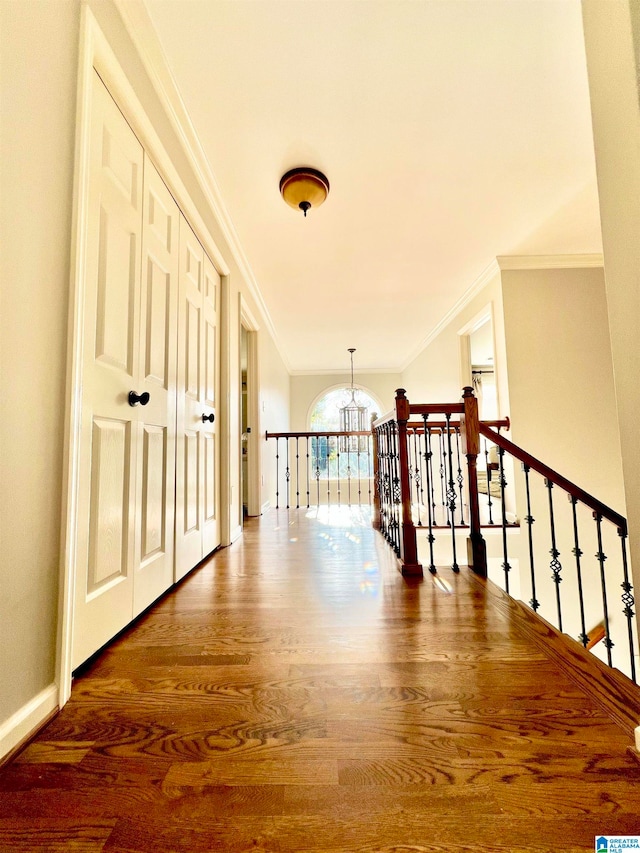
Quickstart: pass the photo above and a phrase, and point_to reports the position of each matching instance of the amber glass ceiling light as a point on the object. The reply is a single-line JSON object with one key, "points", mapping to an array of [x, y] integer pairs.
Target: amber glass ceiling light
{"points": [[304, 188]]}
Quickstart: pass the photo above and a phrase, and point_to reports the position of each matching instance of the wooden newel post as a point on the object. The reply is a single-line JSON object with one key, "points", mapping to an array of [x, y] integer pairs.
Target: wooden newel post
{"points": [[375, 521], [408, 539], [476, 545]]}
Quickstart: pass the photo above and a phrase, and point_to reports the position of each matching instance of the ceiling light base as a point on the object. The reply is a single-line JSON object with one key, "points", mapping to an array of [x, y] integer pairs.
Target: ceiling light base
{"points": [[304, 188]]}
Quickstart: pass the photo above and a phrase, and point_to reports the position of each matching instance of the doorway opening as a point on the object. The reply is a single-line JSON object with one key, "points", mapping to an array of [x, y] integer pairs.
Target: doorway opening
{"points": [[249, 422]]}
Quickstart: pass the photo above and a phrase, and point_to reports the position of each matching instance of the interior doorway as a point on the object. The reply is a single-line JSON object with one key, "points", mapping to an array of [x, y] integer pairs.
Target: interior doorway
{"points": [[477, 362], [483, 375], [249, 422]]}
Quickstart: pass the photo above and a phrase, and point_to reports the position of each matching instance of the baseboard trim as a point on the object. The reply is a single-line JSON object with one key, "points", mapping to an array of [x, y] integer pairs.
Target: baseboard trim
{"points": [[26, 721]]}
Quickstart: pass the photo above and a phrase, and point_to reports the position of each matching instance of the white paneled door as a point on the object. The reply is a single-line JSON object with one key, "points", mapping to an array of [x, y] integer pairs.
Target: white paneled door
{"points": [[197, 452], [156, 375], [125, 508]]}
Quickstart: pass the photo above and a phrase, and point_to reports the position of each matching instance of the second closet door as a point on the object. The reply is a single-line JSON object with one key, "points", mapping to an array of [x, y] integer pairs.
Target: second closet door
{"points": [[197, 478]]}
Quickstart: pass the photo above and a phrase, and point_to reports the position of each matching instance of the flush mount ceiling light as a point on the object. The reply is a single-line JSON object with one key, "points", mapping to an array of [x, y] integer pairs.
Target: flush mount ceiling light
{"points": [[304, 188]]}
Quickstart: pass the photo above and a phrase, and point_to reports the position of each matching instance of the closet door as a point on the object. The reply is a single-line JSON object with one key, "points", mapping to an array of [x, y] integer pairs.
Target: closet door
{"points": [[155, 477], [107, 466], [210, 432], [197, 449]]}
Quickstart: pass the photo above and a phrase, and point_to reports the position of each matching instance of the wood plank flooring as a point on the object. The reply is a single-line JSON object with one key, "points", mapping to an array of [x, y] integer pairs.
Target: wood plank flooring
{"points": [[296, 695]]}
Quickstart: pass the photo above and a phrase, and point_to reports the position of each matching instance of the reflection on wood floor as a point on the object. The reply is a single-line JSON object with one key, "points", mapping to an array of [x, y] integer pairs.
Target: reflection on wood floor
{"points": [[296, 694]]}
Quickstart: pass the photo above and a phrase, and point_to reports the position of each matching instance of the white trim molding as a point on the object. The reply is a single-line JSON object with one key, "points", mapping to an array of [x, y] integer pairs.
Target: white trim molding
{"points": [[27, 719], [487, 275], [549, 262]]}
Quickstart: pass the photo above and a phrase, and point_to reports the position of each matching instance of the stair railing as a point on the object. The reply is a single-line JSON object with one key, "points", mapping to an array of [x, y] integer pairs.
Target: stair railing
{"points": [[400, 480], [574, 536]]}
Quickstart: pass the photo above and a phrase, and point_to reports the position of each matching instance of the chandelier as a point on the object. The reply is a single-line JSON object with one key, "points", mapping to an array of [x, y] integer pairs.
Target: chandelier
{"points": [[353, 418]]}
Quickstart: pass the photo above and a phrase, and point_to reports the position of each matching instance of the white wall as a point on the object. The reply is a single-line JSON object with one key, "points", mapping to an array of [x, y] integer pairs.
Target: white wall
{"points": [[39, 55], [274, 406], [560, 375], [612, 40], [305, 389], [436, 374]]}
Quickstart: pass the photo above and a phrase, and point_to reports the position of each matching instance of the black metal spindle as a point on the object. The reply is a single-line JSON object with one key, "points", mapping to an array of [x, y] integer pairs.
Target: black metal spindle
{"points": [[287, 473], [627, 600], [555, 564], [277, 473], [317, 472], [530, 520], [601, 557], [297, 472], [451, 494], [328, 472], [460, 477], [443, 475], [429, 473], [577, 552], [506, 565], [488, 475], [396, 492], [308, 473]]}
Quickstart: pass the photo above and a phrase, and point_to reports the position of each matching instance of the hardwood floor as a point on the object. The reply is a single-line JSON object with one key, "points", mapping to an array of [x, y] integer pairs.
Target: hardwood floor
{"points": [[296, 694]]}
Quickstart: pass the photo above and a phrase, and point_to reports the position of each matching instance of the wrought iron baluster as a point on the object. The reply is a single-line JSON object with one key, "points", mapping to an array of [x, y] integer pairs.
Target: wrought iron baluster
{"points": [[627, 600], [421, 459], [451, 494], [417, 476], [555, 564], [534, 603], [460, 478], [318, 442], [358, 464], [601, 557], [577, 552], [308, 474], [429, 472], [287, 473], [369, 472], [396, 494], [328, 471], [443, 475], [297, 472], [488, 470], [348, 473], [277, 473], [506, 566], [338, 467]]}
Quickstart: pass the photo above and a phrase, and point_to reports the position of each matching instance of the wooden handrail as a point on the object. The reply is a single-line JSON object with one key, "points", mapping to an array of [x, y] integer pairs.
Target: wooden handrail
{"points": [[418, 426], [557, 479], [313, 434]]}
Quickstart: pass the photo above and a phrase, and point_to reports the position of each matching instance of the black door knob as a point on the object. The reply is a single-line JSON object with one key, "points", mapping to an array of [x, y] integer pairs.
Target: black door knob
{"points": [[143, 398], [211, 418]]}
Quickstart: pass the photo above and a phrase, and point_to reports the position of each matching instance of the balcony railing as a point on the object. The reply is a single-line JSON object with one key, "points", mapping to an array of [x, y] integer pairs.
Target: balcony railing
{"points": [[319, 468]]}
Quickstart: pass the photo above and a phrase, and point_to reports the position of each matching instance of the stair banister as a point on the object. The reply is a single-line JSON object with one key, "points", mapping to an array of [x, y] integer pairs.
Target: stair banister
{"points": [[470, 432]]}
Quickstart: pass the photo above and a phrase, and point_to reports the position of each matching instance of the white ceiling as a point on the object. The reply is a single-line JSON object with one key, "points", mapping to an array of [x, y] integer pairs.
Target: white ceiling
{"points": [[451, 131]]}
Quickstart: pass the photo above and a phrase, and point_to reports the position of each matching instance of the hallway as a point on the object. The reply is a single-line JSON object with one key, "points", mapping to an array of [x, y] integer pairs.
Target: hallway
{"points": [[295, 694]]}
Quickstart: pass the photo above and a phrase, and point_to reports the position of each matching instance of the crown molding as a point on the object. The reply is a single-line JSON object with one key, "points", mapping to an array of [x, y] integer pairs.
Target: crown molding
{"points": [[548, 262], [366, 371], [487, 275], [139, 26]]}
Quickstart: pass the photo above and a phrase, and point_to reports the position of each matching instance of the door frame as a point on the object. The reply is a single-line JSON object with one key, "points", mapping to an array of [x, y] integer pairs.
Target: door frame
{"points": [[96, 52]]}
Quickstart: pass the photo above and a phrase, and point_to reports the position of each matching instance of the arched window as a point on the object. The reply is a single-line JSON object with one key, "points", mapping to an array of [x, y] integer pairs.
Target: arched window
{"points": [[344, 457]]}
